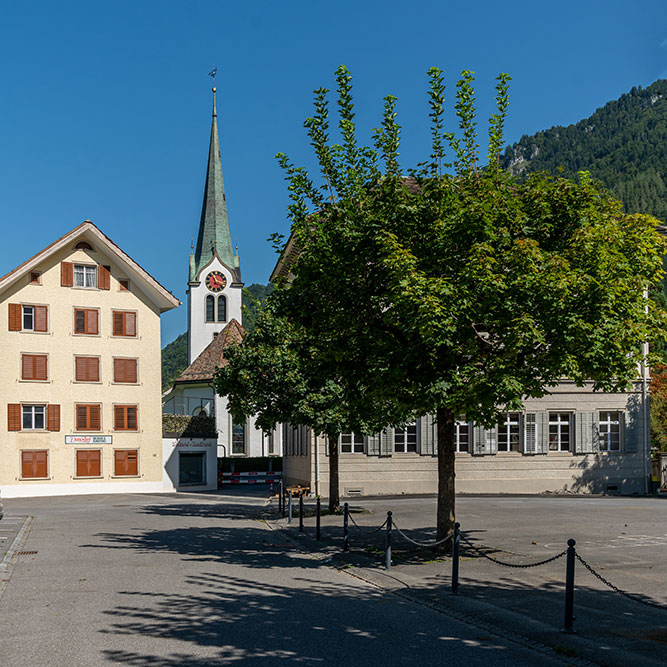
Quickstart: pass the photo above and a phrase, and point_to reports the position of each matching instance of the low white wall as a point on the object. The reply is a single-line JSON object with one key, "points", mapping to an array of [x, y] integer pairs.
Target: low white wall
{"points": [[40, 490]]}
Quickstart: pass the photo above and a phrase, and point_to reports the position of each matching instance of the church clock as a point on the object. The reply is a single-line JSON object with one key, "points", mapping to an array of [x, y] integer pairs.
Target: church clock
{"points": [[215, 281]]}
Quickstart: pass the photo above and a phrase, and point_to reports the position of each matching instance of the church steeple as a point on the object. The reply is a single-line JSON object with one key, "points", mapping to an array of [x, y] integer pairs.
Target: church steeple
{"points": [[214, 236]]}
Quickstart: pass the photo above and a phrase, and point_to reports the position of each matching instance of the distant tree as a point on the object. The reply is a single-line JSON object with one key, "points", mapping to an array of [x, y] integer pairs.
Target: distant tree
{"points": [[254, 298], [659, 407], [174, 360]]}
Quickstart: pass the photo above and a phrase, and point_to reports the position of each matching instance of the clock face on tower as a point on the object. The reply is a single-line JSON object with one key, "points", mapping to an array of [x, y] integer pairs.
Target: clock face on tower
{"points": [[215, 281]]}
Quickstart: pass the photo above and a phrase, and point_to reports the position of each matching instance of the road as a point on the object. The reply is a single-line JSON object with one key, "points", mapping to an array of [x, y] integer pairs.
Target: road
{"points": [[175, 580]]}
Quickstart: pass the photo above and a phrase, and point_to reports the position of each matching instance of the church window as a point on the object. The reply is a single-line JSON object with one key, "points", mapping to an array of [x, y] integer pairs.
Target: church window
{"points": [[238, 438], [210, 308], [222, 308]]}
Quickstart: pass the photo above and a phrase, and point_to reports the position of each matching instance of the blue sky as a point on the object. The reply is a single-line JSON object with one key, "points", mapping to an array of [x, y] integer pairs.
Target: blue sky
{"points": [[105, 107]]}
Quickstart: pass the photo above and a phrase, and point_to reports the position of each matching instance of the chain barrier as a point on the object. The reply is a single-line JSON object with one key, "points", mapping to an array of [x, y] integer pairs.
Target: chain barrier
{"points": [[517, 565], [364, 530], [655, 605], [423, 544]]}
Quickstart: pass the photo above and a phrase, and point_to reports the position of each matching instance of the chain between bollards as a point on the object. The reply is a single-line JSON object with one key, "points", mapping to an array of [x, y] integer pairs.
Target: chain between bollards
{"points": [[569, 587], [318, 531], [455, 558], [388, 549], [301, 513], [346, 529]]}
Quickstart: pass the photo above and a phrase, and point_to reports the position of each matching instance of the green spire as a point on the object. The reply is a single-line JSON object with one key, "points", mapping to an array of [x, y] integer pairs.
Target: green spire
{"points": [[214, 236]]}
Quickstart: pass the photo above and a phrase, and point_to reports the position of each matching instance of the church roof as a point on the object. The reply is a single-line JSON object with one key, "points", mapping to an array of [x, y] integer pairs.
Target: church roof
{"points": [[203, 368], [214, 237]]}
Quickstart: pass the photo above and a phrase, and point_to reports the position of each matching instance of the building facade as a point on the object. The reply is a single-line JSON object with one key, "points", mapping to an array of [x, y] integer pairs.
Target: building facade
{"points": [[215, 317], [80, 325]]}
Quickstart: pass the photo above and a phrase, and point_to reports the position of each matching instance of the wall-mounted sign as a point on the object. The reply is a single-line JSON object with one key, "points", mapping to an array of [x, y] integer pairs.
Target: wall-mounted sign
{"points": [[88, 439]]}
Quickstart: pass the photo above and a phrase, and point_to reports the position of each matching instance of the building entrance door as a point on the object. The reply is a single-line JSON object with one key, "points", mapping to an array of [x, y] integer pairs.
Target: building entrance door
{"points": [[191, 468]]}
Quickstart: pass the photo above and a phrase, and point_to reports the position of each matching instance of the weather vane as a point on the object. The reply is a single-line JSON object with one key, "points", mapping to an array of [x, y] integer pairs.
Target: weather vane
{"points": [[212, 73]]}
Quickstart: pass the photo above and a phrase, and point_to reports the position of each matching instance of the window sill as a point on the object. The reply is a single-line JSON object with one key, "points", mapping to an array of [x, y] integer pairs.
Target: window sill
{"points": [[34, 479], [90, 289], [87, 382], [32, 331], [86, 335], [126, 430], [33, 431], [127, 384], [125, 476], [135, 337], [91, 477], [36, 381]]}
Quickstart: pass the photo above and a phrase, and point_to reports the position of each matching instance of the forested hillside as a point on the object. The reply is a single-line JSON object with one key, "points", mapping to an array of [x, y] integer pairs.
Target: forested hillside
{"points": [[623, 144], [175, 354]]}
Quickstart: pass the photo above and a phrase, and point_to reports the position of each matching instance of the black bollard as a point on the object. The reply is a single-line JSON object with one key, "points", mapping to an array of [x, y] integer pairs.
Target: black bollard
{"points": [[346, 532], [289, 507], [388, 550], [281, 497], [455, 559], [301, 513], [569, 587], [318, 531]]}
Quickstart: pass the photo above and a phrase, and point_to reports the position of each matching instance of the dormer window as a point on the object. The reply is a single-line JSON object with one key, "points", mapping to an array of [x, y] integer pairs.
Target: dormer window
{"points": [[85, 276], [83, 245]]}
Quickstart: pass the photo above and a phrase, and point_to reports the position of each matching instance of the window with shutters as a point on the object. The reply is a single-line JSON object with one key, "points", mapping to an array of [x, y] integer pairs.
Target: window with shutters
{"points": [[126, 463], [86, 321], [560, 431], [350, 443], [23, 317], [124, 323], [88, 463], [33, 417], [462, 435], [34, 367], [125, 417], [34, 464], [405, 439], [85, 275], [210, 308], [88, 417], [509, 433], [610, 431], [125, 370], [28, 318], [86, 369]]}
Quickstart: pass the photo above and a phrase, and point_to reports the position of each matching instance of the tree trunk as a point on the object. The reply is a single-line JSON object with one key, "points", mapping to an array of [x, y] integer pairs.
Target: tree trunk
{"points": [[334, 491], [446, 421]]}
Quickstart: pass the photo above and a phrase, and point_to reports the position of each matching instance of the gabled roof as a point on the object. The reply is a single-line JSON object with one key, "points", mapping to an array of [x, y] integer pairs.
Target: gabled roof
{"points": [[162, 297], [214, 237], [203, 368]]}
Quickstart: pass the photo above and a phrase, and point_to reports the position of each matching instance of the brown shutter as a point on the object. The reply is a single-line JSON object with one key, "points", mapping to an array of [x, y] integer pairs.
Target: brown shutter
{"points": [[94, 411], [131, 412], [119, 418], [132, 462], [53, 421], [34, 463], [125, 370], [81, 464], [15, 312], [130, 324], [126, 462], [93, 369], [40, 463], [27, 367], [41, 318], [104, 277], [27, 459], [81, 417], [92, 324], [79, 321], [88, 463], [120, 463], [94, 467], [66, 274], [40, 367], [87, 369], [80, 369], [13, 417], [117, 323]]}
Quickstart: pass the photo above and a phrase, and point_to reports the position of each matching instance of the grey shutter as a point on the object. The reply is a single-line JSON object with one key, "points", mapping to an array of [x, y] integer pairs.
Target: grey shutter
{"points": [[373, 445], [492, 440], [630, 430], [427, 436], [595, 431], [542, 432], [387, 442], [478, 441], [530, 433]]}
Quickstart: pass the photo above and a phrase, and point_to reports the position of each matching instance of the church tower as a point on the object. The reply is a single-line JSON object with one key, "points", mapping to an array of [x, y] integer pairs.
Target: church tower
{"points": [[214, 283]]}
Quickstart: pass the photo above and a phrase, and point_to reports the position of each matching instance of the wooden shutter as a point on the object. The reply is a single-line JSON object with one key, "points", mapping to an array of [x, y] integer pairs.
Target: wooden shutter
{"points": [[53, 417], [88, 417], [125, 418], [427, 437], [92, 322], [79, 321], [41, 318], [87, 369], [40, 367], [66, 274], [104, 277], [13, 417], [88, 463], [126, 462], [33, 367], [131, 417], [15, 313], [130, 324], [117, 323], [34, 464], [125, 370], [94, 412], [119, 418]]}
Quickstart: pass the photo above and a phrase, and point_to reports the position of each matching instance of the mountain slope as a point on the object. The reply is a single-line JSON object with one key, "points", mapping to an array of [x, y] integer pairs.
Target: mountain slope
{"points": [[623, 144]]}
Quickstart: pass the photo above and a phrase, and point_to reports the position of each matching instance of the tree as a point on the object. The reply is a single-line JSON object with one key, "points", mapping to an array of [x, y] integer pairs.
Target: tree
{"points": [[460, 292]]}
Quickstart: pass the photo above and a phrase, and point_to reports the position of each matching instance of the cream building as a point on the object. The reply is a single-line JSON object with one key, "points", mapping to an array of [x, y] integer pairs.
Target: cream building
{"points": [[81, 364]]}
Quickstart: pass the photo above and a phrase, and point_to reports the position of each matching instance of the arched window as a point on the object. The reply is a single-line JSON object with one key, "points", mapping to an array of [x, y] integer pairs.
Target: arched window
{"points": [[222, 308], [83, 245], [210, 308]]}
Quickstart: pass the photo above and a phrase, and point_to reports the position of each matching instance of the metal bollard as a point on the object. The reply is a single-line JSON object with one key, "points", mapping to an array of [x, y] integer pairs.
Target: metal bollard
{"points": [[388, 551], [346, 529], [301, 513], [455, 558], [289, 507], [318, 531], [281, 498], [569, 587]]}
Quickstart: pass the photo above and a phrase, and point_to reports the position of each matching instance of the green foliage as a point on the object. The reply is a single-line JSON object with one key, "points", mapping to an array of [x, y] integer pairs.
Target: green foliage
{"points": [[254, 298], [174, 360], [188, 426], [623, 144]]}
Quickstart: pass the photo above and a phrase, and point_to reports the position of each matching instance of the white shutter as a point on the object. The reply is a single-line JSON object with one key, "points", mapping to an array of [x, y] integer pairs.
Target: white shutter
{"points": [[595, 434], [542, 432], [387, 442], [530, 433], [373, 445], [427, 436], [492, 440]]}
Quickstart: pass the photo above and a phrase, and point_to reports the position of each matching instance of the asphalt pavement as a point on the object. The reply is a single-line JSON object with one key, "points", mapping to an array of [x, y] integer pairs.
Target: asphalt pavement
{"points": [[193, 580]]}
